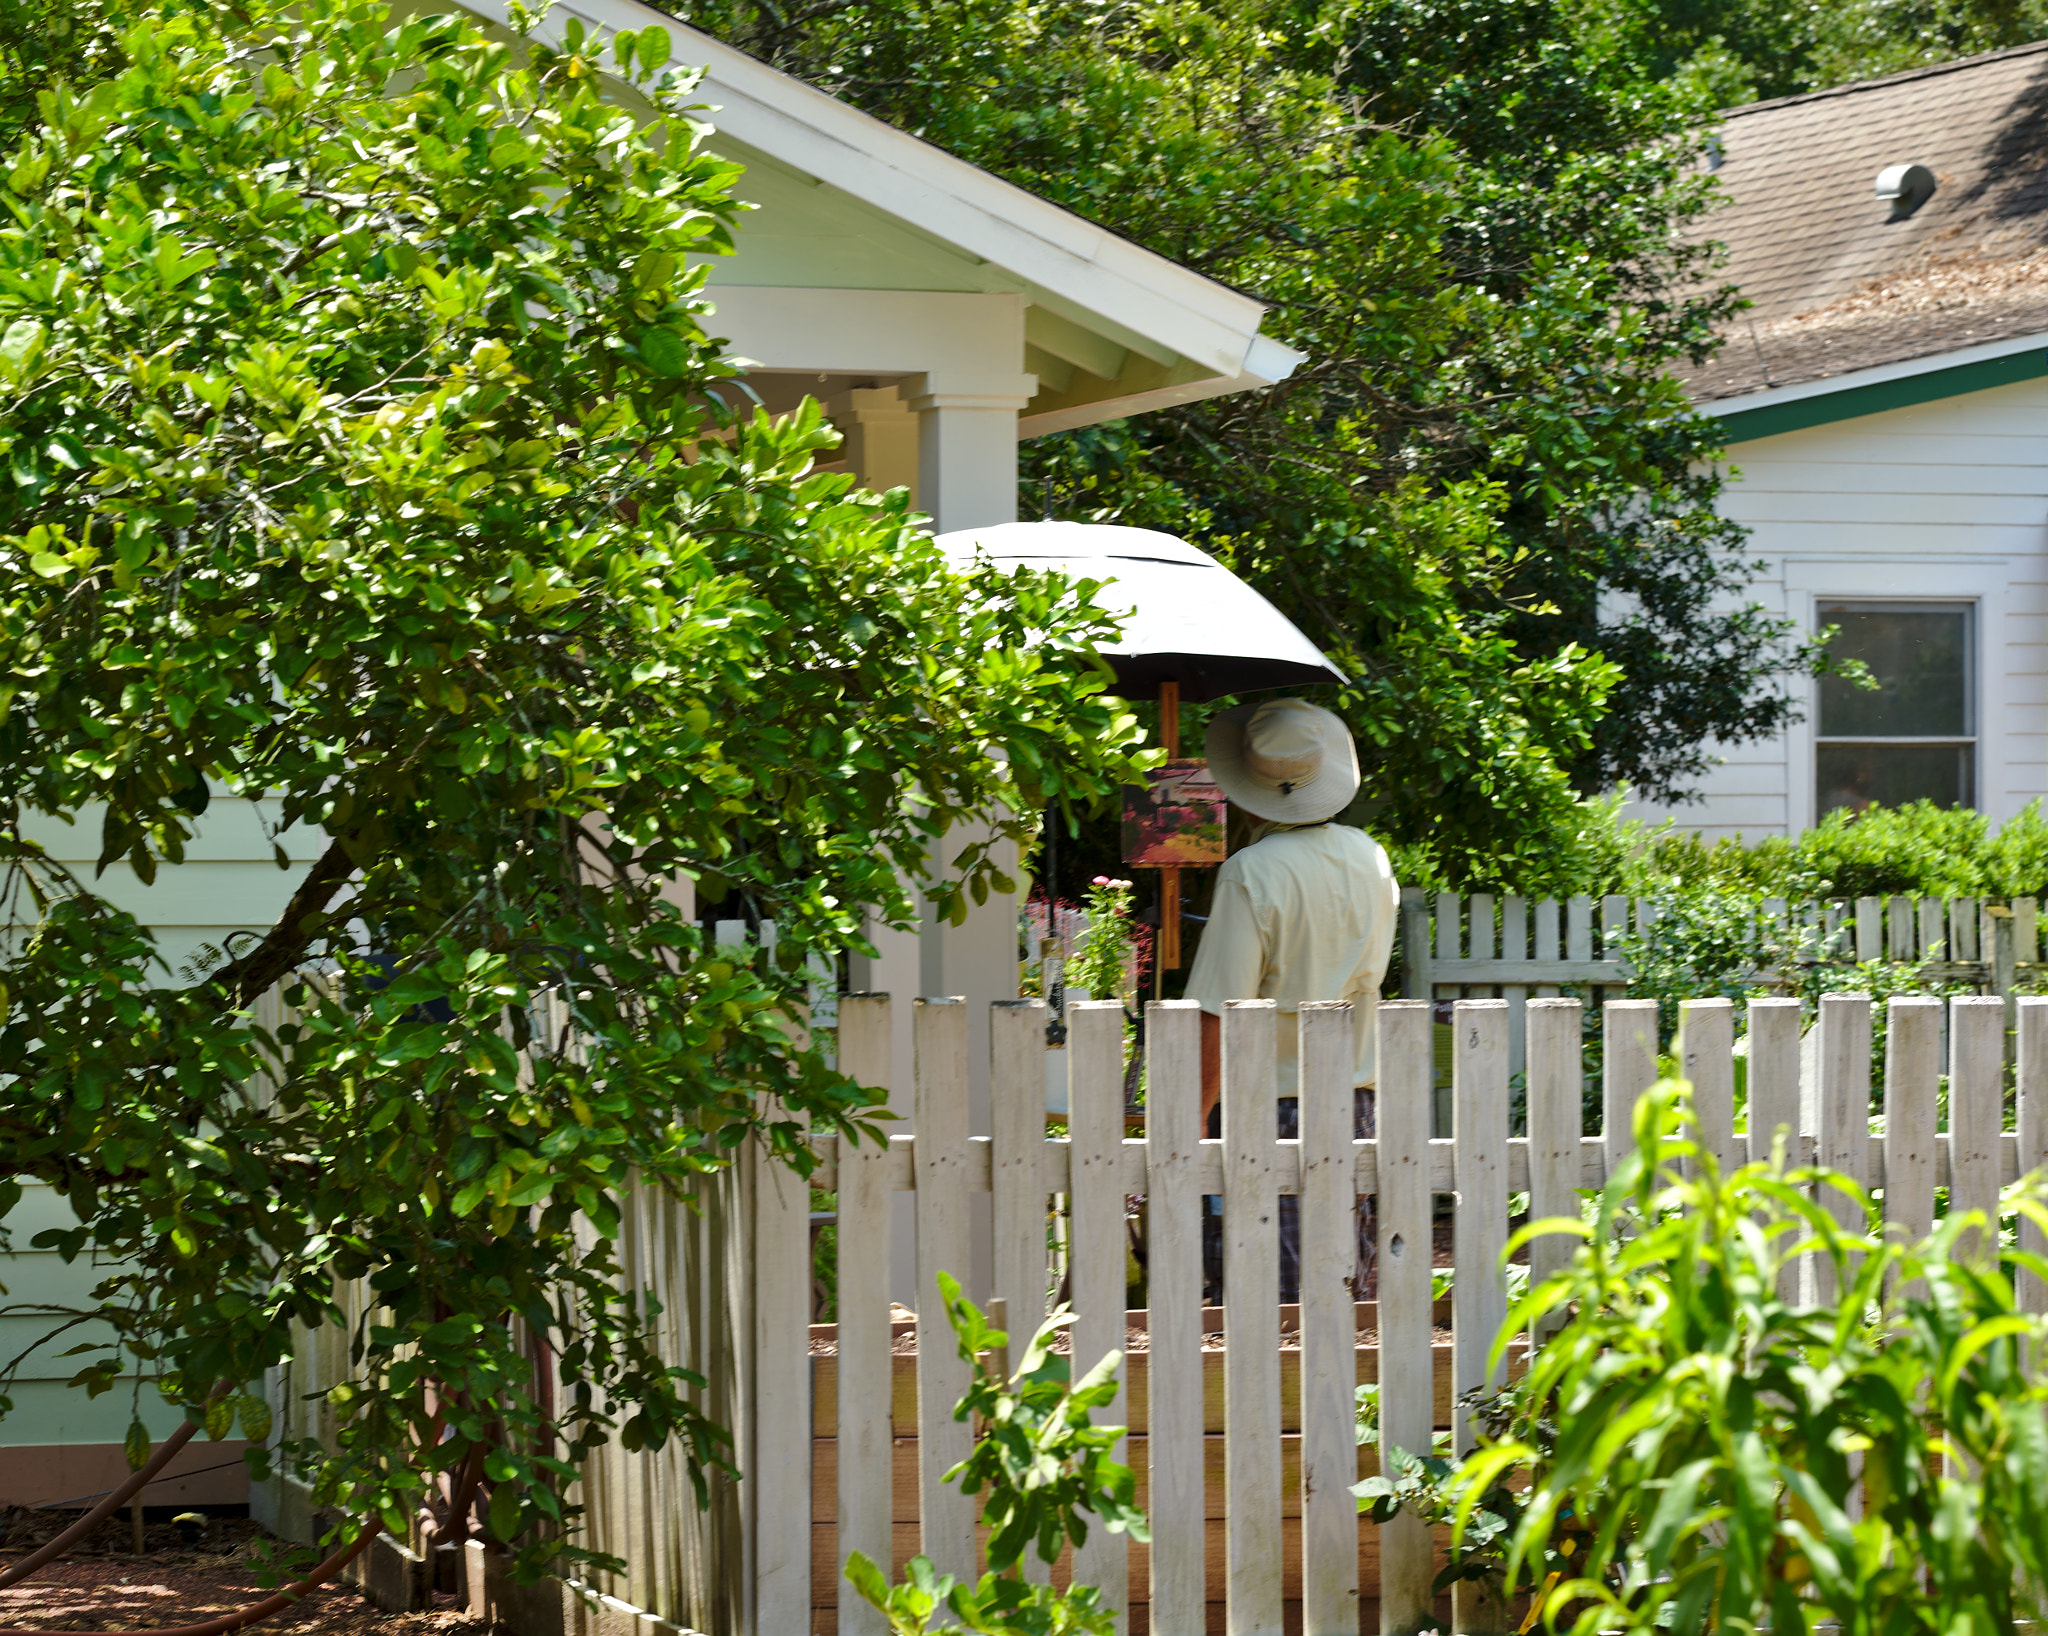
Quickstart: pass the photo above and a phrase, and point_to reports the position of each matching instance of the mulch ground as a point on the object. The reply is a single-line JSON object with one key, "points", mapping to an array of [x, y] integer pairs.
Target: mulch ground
{"points": [[102, 1585]]}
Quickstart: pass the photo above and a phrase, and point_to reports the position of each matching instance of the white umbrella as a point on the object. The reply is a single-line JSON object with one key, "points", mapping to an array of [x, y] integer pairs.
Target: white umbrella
{"points": [[1186, 618]]}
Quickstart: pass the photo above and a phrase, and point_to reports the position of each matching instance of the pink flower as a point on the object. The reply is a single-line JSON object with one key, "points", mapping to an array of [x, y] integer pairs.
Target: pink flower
{"points": [[1103, 880]]}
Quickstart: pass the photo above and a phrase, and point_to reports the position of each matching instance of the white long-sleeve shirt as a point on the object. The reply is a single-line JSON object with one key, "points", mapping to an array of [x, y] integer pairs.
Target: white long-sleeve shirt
{"points": [[1304, 914]]}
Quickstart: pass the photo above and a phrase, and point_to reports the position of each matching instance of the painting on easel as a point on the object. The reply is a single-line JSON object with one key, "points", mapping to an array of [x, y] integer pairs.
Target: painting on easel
{"points": [[1175, 819]]}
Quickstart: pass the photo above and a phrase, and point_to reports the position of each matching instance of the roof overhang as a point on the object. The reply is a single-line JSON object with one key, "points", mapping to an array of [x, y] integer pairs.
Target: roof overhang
{"points": [[1111, 329], [1885, 386]]}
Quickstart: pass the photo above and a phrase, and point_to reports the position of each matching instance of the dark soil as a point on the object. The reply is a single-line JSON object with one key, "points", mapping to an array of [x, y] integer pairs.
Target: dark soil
{"points": [[102, 1585]]}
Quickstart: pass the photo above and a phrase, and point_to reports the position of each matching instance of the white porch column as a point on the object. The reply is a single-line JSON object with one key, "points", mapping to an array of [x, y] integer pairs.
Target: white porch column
{"points": [[967, 445]]}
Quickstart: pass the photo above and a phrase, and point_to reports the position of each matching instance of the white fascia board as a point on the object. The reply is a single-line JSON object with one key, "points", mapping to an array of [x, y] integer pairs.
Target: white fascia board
{"points": [[1071, 259], [1877, 375], [1098, 410]]}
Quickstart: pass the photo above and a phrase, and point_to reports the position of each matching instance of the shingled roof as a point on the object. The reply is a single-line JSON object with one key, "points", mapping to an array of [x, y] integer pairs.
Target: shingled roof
{"points": [[1836, 282]]}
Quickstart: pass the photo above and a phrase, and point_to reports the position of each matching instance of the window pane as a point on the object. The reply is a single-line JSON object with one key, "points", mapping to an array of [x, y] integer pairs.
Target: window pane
{"points": [[1861, 775], [1920, 658]]}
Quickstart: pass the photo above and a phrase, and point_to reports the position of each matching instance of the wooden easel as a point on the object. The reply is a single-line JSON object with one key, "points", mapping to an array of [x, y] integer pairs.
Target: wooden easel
{"points": [[1169, 876]]}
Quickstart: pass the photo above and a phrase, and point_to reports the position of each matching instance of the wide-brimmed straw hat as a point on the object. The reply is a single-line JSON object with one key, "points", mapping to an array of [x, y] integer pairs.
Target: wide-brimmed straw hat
{"points": [[1285, 760]]}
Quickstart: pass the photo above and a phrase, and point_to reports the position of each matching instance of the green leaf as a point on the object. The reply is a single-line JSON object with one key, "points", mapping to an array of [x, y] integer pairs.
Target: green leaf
{"points": [[21, 348], [664, 353], [172, 266], [136, 1445]]}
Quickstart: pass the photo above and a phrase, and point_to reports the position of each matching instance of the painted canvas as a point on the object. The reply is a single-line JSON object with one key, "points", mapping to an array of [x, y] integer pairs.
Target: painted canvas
{"points": [[1175, 818]]}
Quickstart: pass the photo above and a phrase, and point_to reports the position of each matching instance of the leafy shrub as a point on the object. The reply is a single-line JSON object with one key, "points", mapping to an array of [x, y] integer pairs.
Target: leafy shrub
{"points": [[1042, 1462], [1718, 1458], [1917, 850]]}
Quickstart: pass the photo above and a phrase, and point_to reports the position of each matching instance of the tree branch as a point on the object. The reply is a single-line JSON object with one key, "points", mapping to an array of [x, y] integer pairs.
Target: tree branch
{"points": [[285, 944]]}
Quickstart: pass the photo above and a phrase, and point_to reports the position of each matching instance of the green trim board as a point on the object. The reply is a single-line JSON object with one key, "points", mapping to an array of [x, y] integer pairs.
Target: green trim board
{"points": [[1822, 408]]}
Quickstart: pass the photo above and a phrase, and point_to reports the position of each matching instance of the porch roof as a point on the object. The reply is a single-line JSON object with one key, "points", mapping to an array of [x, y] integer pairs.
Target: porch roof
{"points": [[847, 203]]}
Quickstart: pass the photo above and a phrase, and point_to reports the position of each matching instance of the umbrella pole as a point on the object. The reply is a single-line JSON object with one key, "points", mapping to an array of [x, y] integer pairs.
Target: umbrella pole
{"points": [[1169, 877]]}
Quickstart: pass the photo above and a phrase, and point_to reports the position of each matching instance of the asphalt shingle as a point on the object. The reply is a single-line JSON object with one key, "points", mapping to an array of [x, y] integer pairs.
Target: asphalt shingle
{"points": [[1837, 282]]}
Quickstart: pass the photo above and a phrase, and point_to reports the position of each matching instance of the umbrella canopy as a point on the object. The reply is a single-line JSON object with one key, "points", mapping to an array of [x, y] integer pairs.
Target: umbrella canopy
{"points": [[1186, 618]]}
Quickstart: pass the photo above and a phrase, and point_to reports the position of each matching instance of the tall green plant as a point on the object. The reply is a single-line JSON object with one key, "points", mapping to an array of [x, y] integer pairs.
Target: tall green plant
{"points": [[1878, 1462]]}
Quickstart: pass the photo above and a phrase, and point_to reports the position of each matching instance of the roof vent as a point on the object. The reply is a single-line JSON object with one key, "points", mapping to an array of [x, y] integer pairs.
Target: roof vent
{"points": [[1908, 187]]}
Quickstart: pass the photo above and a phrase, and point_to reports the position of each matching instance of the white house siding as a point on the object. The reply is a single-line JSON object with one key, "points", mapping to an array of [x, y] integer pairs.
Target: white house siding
{"points": [[1936, 501], [57, 1443]]}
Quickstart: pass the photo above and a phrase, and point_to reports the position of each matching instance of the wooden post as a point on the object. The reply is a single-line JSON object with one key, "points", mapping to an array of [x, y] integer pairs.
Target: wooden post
{"points": [[1251, 1322], [1169, 877], [1417, 981], [1174, 1285], [2004, 965]]}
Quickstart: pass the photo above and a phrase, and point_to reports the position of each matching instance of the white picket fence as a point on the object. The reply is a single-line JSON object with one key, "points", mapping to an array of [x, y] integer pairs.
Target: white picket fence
{"points": [[1242, 1422], [1518, 948], [1222, 1440]]}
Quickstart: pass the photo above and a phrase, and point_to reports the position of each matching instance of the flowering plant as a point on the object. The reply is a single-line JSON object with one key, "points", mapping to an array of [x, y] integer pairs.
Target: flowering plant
{"points": [[1116, 952]]}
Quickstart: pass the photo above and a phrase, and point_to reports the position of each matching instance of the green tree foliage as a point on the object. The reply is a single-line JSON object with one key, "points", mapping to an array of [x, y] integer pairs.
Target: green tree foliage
{"points": [[1738, 51], [1483, 493], [1726, 1459], [365, 460]]}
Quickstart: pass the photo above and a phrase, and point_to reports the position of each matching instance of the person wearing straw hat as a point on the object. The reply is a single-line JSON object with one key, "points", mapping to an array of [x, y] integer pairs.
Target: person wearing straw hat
{"points": [[1306, 912]]}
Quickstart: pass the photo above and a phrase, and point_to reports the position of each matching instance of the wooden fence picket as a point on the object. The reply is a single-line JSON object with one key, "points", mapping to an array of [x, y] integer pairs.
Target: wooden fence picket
{"points": [[1095, 1100], [1406, 1062], [1479, 1091], [2030, 1096], [1251, 1304], [1976, 1102], [778, 1468], [1772, 1077], [1173, 1208], [1912, 1073], [1016, 1079], [1706, 1046], [1844, 1113], [945, 1515], [1329, 1327], [1628, 1068], [1479, 1299], [863, 1444], [1556, 1087], [1514, 938]]}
